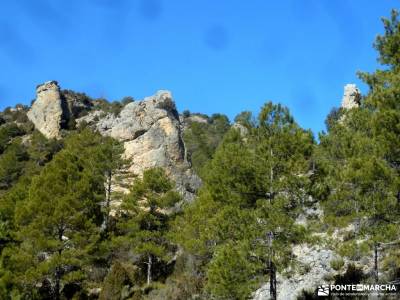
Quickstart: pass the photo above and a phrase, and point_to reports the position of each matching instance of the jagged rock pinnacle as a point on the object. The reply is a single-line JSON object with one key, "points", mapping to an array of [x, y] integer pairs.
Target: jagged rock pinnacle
{"points": [[351, 97], [46, 112]]}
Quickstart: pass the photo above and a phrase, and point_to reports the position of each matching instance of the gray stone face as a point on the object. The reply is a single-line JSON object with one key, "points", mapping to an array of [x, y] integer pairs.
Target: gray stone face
{"points": [[151, 133], [352, 97], [138, 117], [315, 260], [46, 112], [197, 119], [150, 130], [53, 108], [242, 129]]}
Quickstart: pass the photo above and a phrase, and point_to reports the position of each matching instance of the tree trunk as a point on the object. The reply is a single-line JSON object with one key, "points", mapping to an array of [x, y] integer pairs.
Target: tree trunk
{"points": [[58, 268], [272, 271], [108, 201], [376, 274], [271, 267], [57, 285], [149, 263], [271, 177], [272, 280]]}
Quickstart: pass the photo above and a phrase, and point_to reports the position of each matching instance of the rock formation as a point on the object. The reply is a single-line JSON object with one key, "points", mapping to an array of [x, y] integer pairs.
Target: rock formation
{"points": [[195, 118], [242, 129], [351, 97], [46, 112], [53, 108], [316, 262], [151, 133], [150, 130]]}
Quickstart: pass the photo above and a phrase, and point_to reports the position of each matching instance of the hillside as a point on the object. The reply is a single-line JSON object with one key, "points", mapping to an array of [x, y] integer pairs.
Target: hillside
{"points": [[134, 200]]}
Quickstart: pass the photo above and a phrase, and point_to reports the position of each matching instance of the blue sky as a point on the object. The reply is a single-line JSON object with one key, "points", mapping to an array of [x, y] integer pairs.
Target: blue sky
{"points": [[215, 56]]}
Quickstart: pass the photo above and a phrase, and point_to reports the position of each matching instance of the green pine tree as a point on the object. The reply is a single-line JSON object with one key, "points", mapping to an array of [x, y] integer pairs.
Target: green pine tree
{"points": [[359, 158], [253, 189], [58, 224], [144, 217]]}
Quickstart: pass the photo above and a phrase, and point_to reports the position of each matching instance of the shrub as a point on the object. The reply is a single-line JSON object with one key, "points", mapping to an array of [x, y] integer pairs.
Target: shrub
{"points": [[337, 264], [126, 100], [119, 276], [7, 133], [353, 275]]}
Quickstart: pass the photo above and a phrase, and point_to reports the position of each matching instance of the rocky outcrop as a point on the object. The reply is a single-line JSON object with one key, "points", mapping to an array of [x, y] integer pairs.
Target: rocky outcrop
{"points": [[46, 112], [241, 128], [315, 265], [53, 109], [137, 118], [352, 97], [195, 119], [150, 130], [312, 263], [151, 133]]}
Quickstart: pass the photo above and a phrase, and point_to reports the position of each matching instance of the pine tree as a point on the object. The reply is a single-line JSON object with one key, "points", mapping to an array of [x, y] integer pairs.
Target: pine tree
{"points": [[383, 98], [283, 151], [252, 190], [58, 224], [12, 163], [145, 214], [201, 139], [7, 133], [117, 176], [360, 157], [232, 266], [18, 164]]}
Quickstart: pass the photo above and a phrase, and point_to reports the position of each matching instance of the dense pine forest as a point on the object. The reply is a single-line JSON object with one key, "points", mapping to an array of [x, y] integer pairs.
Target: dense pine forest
{"points": [[268, 187]]}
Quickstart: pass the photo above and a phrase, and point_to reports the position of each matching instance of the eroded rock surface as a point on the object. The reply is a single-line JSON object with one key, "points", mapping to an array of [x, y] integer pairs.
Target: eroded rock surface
{"points": [[46, 112], [316, 264], [352, 97], [54, 109], [150, 129], [151, 133]]}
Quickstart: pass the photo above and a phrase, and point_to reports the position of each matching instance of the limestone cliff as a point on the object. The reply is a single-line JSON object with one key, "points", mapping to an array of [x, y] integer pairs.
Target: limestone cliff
{"points": [[151, 133], [46, 112], [54, 109], [150, 130]]}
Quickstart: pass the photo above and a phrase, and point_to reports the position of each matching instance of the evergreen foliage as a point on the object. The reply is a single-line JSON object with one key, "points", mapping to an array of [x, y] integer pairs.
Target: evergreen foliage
{"points": [[76, 224], [359, 158], [202, 138], [143, 223], [252, 190]]}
